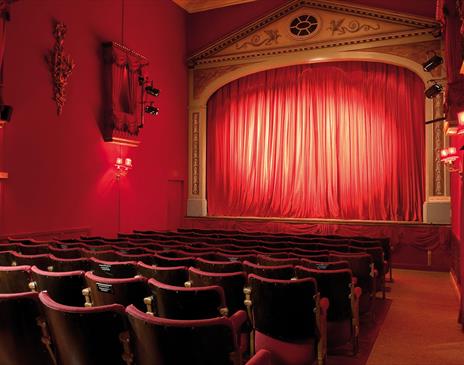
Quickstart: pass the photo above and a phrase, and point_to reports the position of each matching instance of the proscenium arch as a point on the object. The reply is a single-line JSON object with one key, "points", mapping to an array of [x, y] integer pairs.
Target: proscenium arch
{"points": [[377, 35]]}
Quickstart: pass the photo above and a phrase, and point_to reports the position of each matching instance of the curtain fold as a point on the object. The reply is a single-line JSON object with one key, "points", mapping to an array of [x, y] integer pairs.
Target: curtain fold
{"points": [[335, 140]]}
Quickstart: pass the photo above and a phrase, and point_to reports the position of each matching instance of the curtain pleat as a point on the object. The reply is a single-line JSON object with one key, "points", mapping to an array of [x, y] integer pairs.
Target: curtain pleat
{"points": [[338, 140]]}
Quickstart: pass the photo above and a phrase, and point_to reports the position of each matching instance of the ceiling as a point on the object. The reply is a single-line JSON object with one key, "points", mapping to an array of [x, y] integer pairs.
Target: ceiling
{"points": [[195, 6]]}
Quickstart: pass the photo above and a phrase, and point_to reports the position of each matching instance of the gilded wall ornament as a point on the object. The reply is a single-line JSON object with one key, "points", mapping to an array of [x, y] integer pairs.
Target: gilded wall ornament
{"points": [[353, 26], [270, 36], [61, 65]]}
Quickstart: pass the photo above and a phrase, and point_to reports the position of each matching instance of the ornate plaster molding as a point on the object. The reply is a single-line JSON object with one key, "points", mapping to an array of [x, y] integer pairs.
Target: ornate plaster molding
{"points": [[340, 19]]}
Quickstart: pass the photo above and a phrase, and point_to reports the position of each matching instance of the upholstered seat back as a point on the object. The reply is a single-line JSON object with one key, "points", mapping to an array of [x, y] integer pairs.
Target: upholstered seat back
{"points": [[232, 283], [284, 309], [186, 303], [334, 285], [281, 272], [14, 279], [104, 291], [171, 275], [87, 336], [20, 335], [178, 342], [218, 266], [63, 287], [114, 269]]}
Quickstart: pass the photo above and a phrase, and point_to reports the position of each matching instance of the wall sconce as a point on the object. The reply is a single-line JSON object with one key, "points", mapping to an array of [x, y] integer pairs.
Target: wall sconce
{"points": [[122, 166], [450, 157]]}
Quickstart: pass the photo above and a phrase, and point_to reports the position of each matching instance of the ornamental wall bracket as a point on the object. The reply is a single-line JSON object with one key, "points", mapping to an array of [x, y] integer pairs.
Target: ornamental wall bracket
{"points": [[61, 66]]}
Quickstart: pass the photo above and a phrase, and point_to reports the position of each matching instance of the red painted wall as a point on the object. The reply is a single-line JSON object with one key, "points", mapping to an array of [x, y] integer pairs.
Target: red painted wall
{"points": [[209, 26], [61, 172]]}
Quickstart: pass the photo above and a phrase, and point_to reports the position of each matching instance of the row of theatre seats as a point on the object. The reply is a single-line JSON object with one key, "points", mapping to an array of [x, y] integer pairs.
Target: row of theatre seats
{"points": [[142, 299]]}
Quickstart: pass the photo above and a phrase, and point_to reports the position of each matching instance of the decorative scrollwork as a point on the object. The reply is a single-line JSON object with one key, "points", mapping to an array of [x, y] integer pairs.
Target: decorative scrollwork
{"points": [[270, 36], [354, 26], [61, 65]]}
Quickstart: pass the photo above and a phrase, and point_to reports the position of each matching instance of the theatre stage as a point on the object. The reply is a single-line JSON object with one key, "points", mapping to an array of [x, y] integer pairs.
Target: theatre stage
{"points": [[414, 245]]}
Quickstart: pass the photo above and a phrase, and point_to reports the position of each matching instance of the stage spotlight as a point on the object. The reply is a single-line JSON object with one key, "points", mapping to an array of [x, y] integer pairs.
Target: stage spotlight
{"points": [[151, 90], [433, 90], [432, 63], [150, 109]]}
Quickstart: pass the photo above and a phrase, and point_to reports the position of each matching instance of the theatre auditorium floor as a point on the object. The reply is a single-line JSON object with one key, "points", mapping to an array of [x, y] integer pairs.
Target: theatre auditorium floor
{"points": [[420, 327]]}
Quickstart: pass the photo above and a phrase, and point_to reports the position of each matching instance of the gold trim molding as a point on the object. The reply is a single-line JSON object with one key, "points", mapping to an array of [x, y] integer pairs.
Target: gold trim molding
{"points": [[196, 153]]}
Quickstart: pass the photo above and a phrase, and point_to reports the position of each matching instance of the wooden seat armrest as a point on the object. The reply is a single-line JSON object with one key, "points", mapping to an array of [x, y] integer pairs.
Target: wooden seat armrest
{"points": [[148, 301], [238, 319], [324, 303]]}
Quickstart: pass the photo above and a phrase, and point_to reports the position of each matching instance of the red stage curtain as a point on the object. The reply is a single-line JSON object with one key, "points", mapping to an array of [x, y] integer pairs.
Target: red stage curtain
{"points": [[332, 140]]}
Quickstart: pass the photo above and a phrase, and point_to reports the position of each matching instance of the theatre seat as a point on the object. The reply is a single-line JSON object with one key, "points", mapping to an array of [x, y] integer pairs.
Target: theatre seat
{"points": [[20, 333], [62, 264], [177, 302], [171, 275], [113, 269], [322, 265], [343, 313], [105, 291], [87, 336], [288, 319], [380, 265], [64, 287], [262, 357], [65, 253], [164, 341], [275, 261], [218, 266], [14, 279], [163, 260], [362, 267], [41, 261], [282, 272], [41, 249], [232, 283]]}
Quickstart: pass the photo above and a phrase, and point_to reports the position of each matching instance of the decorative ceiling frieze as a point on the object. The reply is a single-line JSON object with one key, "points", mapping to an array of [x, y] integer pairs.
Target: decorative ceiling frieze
{"points": [[309, 24]]}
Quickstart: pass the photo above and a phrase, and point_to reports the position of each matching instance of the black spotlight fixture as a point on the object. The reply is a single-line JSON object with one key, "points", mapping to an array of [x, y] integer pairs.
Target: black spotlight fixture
{"points": [[5, 113], [433, 90], [151, 109], [432, 63], [152, 90]]}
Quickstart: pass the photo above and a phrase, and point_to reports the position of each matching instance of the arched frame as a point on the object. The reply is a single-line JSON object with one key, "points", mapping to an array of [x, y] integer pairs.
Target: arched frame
{"points": [[407, 42]]}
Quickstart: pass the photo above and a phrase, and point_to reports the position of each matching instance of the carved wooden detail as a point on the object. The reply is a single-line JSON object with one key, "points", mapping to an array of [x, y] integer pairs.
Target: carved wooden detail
{"points": [[203, 77], [340, 27], [367, 25], [268, 37], [438, 145], [61, 66], [196, 153]]}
